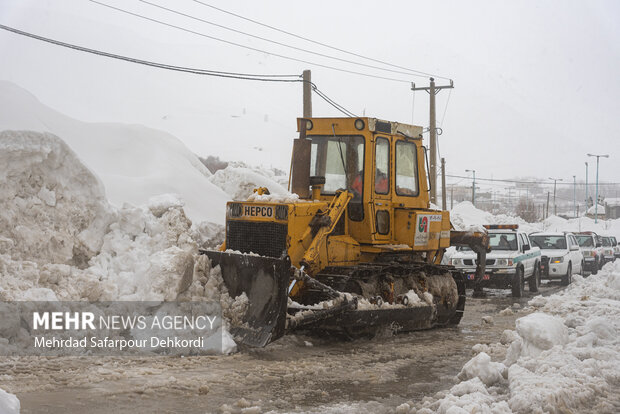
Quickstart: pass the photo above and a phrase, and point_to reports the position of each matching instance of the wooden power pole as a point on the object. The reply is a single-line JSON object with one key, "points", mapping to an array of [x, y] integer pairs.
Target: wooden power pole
{"points": [[307, 81], [433, 90]]}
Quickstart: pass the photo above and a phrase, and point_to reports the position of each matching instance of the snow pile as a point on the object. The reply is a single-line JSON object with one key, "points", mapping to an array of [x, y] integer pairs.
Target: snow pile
{"points": [[540, 332], [61, 240], [464, 215], [603, 227], [565, 357], [239, 182], [9, 404], [134, 163], [40, 177], [484, 369]]}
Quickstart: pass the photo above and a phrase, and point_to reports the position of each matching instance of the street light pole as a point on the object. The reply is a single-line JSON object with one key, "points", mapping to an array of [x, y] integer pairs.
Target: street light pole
{"points": [[596, 196], [575, 196], [586, 188], [555, 183], [473, 187]]}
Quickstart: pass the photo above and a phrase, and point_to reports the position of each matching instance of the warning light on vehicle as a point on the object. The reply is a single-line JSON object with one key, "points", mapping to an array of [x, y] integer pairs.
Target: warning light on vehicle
{"points": [[501, 226]]}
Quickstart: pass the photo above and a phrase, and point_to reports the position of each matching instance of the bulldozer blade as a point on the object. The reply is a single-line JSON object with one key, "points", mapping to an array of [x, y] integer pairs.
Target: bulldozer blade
{"points": [[264, 280]]}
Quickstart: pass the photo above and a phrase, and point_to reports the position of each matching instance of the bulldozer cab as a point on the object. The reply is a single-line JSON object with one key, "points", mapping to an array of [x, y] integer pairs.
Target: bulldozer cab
{"points": [[382, 164]]}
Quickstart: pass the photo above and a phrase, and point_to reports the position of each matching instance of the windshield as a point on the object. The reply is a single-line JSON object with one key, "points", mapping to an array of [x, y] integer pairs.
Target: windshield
{"points": [[549, 242], [606, 242], [503, 241], [585, 241], [340, 160]]}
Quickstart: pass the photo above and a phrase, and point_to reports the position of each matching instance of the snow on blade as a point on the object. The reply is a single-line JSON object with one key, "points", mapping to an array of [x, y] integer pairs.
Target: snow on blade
{"points": [[240, 182]]}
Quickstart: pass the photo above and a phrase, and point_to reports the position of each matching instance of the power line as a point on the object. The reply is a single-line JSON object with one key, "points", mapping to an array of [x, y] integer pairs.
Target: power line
{"points": [[527, 182], [446, 108], [332, 103], [205, 72], [318, 43], [245, 46], [275, 41]]}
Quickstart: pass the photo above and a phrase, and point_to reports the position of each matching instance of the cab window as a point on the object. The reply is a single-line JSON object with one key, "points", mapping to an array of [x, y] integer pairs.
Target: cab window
{"points": [[503, 241], [382, 171], [340, 160], [406, 169]]}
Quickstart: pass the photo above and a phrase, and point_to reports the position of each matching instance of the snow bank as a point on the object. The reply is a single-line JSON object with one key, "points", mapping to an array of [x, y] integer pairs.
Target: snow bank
{"points": [[60, 239], [9, 404], [135, 163], [466, 217], [603, 227], [54, 208], [565, 357]]}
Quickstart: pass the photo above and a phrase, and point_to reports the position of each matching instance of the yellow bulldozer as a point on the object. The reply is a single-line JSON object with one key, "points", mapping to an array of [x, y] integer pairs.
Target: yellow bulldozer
{"points": [[356, 250]]}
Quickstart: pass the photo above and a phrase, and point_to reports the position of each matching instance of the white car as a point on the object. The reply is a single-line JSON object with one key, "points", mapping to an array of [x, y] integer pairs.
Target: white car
{"points": [[561, 255], [592, 250], [608, 249], [511, 262], [616, 247]]}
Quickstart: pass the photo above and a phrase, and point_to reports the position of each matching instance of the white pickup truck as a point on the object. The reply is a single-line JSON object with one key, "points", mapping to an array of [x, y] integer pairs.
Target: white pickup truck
{"points": [[511, 261], [561, 255]]}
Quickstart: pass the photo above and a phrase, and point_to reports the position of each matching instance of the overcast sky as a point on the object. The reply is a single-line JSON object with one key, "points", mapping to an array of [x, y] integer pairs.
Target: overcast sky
{"points": [[536, 82]]}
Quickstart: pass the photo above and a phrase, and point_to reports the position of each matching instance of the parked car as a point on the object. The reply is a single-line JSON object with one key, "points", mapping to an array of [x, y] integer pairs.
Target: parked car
{"points": [[560, 255], [608, 249], [511, 261], [591, 247], [616, 247]]}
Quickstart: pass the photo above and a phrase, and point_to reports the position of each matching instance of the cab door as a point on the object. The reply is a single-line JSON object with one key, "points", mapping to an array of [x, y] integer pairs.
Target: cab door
{"points": [[528, 264], [382, 209]]}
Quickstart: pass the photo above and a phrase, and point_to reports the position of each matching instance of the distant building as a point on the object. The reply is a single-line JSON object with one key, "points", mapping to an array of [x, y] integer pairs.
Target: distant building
{"points": [[612, 208], [600, 212]]}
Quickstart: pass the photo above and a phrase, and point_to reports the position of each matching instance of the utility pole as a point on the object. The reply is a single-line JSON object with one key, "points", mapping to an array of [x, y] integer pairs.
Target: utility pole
{"points": [[307, 93], [575, 196], [596, 200], [443, 184], [586, 188], [555, 207], [473, 187], [451, 196], [547, 214], [433, 90]]}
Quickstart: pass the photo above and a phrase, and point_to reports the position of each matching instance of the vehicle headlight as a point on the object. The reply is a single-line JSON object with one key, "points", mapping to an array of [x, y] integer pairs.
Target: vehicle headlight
{"points": [[234, 210], [281, 212], [557, 259], [457, 262], [503, 262]]}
